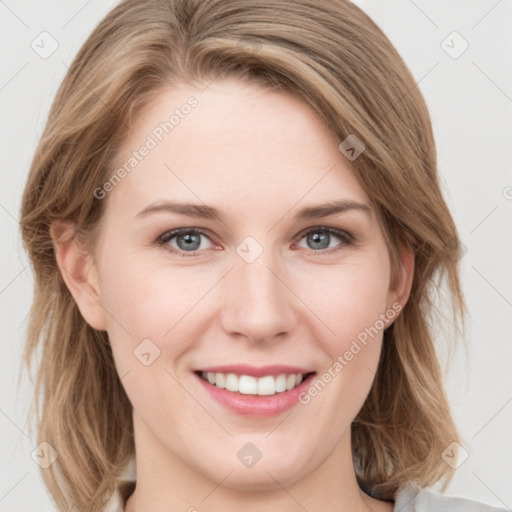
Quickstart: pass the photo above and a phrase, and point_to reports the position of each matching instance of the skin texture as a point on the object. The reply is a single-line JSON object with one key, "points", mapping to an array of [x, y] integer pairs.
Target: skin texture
{"points": [[259, 157]]}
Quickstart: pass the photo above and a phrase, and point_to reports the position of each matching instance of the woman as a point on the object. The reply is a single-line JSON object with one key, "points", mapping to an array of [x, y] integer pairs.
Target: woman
{"points": [[237, 232]]}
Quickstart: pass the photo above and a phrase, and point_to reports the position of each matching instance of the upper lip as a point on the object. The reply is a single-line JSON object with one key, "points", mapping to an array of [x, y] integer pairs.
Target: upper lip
{"points": [[255, 371]]}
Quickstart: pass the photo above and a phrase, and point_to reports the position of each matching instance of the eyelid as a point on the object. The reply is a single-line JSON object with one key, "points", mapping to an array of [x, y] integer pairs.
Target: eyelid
{"points": [[171, 233], [338, 232]]}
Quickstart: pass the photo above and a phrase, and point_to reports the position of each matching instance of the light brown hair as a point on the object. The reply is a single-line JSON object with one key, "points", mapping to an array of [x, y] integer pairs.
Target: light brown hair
{"points": [[337, 59]]}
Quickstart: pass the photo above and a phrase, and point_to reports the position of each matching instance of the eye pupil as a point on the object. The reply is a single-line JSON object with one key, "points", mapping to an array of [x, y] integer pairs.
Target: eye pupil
{"points": [[192, 241], [319, 238]]}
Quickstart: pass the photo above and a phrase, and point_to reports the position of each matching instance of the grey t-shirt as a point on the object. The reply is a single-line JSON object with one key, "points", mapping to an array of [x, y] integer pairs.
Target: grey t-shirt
{"points": [[415, 499]]}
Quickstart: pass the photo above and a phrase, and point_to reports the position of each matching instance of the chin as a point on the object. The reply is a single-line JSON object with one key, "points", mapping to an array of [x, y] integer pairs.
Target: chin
{"points": [[264, 478], [274, 469]]}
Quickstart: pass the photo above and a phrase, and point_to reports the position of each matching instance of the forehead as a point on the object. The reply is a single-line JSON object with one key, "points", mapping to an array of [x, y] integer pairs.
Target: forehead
{"points": [[232, 143]]}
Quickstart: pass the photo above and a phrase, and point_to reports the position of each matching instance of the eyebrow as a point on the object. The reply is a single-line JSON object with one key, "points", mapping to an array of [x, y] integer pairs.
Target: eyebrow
{"points": [[203, 211]]}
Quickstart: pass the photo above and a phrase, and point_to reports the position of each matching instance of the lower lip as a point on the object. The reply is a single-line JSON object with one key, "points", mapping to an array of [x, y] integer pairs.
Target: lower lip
{"points": [[256, 405]]}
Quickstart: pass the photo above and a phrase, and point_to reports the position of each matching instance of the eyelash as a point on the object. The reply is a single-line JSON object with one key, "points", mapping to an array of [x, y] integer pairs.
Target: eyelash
{"points": [[345, 237]]}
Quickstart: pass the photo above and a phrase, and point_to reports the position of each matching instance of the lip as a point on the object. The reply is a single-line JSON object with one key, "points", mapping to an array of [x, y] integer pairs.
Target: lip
{"points": [[255, 371], [256, 405]]}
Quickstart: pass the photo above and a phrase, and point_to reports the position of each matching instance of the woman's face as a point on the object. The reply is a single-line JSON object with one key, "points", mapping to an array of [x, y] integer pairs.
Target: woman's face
{"points": [[276, 283]]}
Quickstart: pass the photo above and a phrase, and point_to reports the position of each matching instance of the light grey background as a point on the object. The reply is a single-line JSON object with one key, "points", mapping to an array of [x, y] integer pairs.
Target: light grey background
{"points": [[470, 100]]}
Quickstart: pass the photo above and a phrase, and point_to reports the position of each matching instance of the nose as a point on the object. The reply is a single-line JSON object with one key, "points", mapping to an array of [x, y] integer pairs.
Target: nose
{"points": [[258, 304]]}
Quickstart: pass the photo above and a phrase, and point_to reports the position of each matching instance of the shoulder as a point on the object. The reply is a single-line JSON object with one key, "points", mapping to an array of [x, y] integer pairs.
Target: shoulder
{"points": [[416, 499]]}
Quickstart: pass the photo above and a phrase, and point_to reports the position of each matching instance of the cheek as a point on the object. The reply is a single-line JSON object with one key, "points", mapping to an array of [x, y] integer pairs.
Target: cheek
{"points": [[151, 328], [151, 301], [346, 298], [351, 305]]}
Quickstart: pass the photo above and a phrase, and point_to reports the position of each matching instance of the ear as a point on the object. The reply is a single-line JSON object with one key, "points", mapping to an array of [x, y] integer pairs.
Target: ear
{"points": [[78, 271], [400, 287]]}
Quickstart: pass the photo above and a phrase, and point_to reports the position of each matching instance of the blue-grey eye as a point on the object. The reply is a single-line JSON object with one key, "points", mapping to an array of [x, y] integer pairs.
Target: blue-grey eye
{"points": [[319, 239], [185, 240], [188, 242]]}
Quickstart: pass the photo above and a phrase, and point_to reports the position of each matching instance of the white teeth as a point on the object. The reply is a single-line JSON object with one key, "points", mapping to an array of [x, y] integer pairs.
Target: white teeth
{"points": [[266, 385], [281, 383], [249, 385], [231, 382], [220, 380]]}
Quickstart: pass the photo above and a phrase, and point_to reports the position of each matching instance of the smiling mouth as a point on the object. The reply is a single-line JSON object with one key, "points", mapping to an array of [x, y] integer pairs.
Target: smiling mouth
{"points": [[249, 385]]}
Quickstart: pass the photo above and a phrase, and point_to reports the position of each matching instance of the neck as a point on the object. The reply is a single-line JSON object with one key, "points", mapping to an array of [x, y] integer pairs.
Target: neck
{"points": [[165, 482]]}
